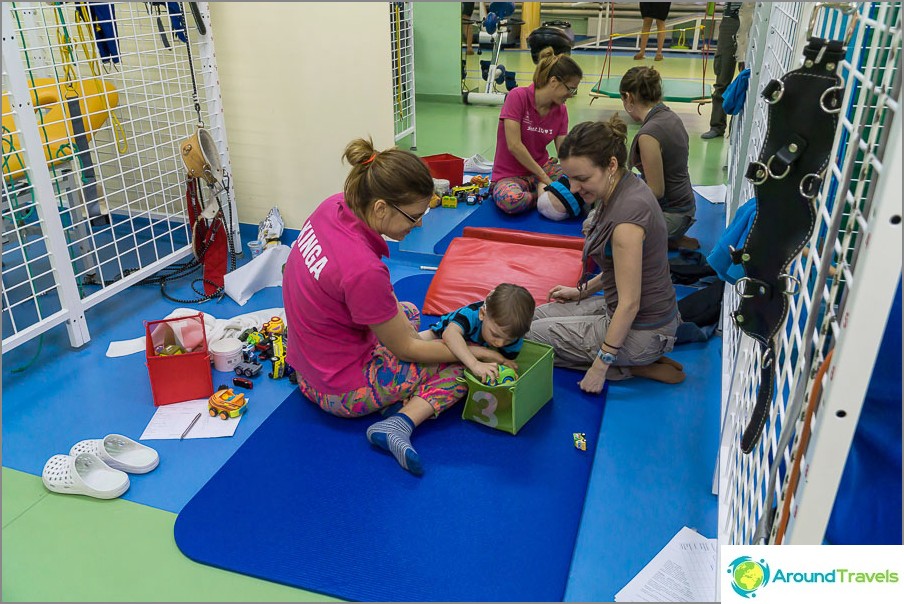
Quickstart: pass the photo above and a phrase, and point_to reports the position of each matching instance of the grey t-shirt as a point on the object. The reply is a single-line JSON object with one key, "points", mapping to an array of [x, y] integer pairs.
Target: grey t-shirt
{"points": [[633, 202], [666, 127]]}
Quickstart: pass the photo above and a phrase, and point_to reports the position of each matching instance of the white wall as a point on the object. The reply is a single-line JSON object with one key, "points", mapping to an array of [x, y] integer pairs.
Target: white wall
{"points": [[299, 80]]}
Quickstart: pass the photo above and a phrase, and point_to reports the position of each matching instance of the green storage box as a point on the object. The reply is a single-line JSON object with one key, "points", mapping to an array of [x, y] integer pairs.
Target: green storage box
{"points": [[509, 406]]}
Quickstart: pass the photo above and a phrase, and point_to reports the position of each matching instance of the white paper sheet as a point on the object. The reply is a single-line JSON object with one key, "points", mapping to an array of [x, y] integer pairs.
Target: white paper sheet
{"points": [[712, 193], [170, 421], [683, 571]]}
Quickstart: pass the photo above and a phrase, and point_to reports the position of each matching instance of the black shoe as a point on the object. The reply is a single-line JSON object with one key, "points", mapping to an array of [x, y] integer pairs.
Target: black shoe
{"points": [[712, 133]]}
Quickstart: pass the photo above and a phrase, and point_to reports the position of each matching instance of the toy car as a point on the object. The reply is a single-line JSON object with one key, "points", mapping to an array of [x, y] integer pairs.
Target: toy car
{"points": [[243, 383], [248, 368], [226, 404], [278, 358]]}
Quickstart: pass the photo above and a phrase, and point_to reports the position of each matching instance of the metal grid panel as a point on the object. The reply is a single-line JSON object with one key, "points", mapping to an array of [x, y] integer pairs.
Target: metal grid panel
{"points": [[402, 26], [115, 177], [760, 498]]}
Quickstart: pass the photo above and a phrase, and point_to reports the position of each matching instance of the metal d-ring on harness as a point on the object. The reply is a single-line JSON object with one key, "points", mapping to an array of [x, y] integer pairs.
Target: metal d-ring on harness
{"points": [[787, 175], [202, 161]]}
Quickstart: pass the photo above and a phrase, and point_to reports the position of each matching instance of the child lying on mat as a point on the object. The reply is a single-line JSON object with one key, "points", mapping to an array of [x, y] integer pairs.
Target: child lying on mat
{"points": [[499, 323]]}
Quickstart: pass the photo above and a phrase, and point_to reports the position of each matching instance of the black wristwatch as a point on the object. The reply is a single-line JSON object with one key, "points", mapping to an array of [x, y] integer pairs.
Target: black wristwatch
{"points": [[607, 357]]}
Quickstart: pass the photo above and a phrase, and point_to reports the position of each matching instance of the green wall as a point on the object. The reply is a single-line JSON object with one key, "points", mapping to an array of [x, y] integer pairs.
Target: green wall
{"points": [[437, 49]]}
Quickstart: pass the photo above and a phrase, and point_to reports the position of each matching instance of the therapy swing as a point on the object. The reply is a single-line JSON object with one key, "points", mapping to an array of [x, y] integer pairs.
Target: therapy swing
{"points": [[681, 91]]}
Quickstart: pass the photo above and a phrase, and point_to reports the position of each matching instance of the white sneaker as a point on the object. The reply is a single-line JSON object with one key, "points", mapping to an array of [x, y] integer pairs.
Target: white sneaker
{"points": [[479, 164]]}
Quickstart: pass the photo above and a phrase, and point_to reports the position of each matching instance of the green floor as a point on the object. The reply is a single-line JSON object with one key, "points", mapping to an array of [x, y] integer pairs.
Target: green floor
{"points": [[61, 548]]}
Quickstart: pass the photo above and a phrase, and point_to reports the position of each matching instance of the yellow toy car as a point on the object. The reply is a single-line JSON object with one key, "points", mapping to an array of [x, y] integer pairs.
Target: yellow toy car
{"points": [[278, 358], [226, 404]]}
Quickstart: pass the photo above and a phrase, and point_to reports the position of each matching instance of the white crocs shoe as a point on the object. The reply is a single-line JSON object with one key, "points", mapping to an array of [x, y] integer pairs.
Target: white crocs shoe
{"points": [[479, 164], [120, 452], [84, 474]]}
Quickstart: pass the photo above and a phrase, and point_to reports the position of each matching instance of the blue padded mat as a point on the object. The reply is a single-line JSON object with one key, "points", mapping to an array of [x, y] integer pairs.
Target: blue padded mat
{"points": [[488, 215], [308, 502], [710, 223]]}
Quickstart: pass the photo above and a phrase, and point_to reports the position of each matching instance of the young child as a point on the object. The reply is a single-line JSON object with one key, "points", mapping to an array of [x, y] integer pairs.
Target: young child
{"points": [[499, 322]]}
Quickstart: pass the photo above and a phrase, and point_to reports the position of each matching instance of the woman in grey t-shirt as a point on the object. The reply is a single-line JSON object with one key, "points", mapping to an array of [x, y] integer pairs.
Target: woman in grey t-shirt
{"points": [[659, 151], [625, 332]]}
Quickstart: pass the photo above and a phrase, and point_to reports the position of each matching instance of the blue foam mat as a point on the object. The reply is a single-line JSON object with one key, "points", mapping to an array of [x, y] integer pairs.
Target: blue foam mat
{"points": [[488, 215], [308, 502], [710, 223]]}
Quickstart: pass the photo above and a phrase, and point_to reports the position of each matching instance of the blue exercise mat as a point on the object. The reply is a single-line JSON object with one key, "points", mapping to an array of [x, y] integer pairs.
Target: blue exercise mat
{"points": [[488, 215], [308, 502]]}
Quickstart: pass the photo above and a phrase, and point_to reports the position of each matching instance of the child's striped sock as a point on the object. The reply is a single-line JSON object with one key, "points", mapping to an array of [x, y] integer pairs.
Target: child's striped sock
{"points": [[393, 434]]}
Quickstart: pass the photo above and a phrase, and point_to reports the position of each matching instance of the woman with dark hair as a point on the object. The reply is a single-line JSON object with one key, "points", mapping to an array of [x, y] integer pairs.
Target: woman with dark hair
{"points": [[660, 152], [354, 347], [531, 118], [625, 332]]}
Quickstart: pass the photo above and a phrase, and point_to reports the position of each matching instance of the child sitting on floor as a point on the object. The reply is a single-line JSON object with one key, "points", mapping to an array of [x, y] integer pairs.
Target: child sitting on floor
{"points": [[499, 322]]}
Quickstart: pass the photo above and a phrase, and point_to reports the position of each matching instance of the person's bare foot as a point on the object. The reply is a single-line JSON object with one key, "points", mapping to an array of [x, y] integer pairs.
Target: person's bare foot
{"points": [[658, 57], [639, 56], [688, 243], [469, 51], [668, 361], [660, 372]]}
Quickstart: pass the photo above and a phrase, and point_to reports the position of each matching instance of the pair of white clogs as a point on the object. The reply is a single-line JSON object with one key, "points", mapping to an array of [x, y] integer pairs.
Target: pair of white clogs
{"points": [[97, 467]]}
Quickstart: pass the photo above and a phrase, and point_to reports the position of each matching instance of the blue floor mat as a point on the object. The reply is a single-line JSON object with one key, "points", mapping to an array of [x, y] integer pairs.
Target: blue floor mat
{"points": [[308, 502], [710, 223], [488, 215]]}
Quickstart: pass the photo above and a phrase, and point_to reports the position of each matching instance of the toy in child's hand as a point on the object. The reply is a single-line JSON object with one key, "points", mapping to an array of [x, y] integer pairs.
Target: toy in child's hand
{"points": [[506, 375]]}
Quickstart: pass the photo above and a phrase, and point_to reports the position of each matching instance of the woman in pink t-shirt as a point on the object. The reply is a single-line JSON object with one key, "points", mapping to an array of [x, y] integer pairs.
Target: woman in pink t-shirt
{"points": [[530, 119], [354, 347]]}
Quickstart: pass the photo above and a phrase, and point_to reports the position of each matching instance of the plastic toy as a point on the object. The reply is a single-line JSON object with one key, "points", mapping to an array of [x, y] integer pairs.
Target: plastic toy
{"points": [[450, 201], [226, 404], [275, 326], [507, 375], [435, 201], [480, 181], [580, 441], [243, 383], [248, 368], [169, 350], [277, 358]]}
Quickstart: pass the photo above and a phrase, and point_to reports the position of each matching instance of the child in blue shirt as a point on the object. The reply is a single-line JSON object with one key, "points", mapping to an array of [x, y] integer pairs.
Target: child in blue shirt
{"points": [[499, 322]]}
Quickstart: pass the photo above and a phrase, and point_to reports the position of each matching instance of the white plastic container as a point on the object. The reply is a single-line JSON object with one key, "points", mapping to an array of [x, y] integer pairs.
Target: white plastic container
{"points": [[226, 353]]}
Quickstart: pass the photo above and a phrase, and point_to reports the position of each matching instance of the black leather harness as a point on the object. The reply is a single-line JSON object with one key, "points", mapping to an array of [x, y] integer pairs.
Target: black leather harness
{"points": [[787, 176]]}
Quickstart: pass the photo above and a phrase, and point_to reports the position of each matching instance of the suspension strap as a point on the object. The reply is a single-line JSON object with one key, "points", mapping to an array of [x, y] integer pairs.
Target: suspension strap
{"points": [[191, 69], [802, 119]]}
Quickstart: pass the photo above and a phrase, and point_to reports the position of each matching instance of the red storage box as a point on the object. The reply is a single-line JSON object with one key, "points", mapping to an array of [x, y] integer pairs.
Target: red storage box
{"points": [[447, 167], [179, 377]]}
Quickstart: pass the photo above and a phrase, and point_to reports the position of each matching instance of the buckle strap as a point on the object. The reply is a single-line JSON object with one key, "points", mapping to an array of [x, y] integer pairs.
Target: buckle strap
{"points": [[757, 421]]}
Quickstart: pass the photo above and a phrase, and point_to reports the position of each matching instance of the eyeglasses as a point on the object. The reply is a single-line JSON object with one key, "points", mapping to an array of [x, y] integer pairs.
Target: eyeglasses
{"points": [[411, 218], [572, 90]]}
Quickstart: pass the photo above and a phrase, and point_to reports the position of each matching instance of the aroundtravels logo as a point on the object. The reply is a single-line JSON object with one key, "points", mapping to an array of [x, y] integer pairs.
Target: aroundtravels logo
{"points": [[748, 575]]}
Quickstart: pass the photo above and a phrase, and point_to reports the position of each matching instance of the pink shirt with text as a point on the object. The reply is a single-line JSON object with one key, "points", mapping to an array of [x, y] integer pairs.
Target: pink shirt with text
{"points": [[536, 132], [335, 285]]}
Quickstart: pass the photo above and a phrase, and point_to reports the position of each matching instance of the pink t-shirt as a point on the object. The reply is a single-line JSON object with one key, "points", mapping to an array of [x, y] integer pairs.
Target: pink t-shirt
{"points": [[536, 132], [335, 285]]}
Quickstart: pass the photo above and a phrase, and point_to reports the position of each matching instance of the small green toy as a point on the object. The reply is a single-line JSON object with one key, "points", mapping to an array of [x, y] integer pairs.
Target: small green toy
{"points": [[506, 375]]}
